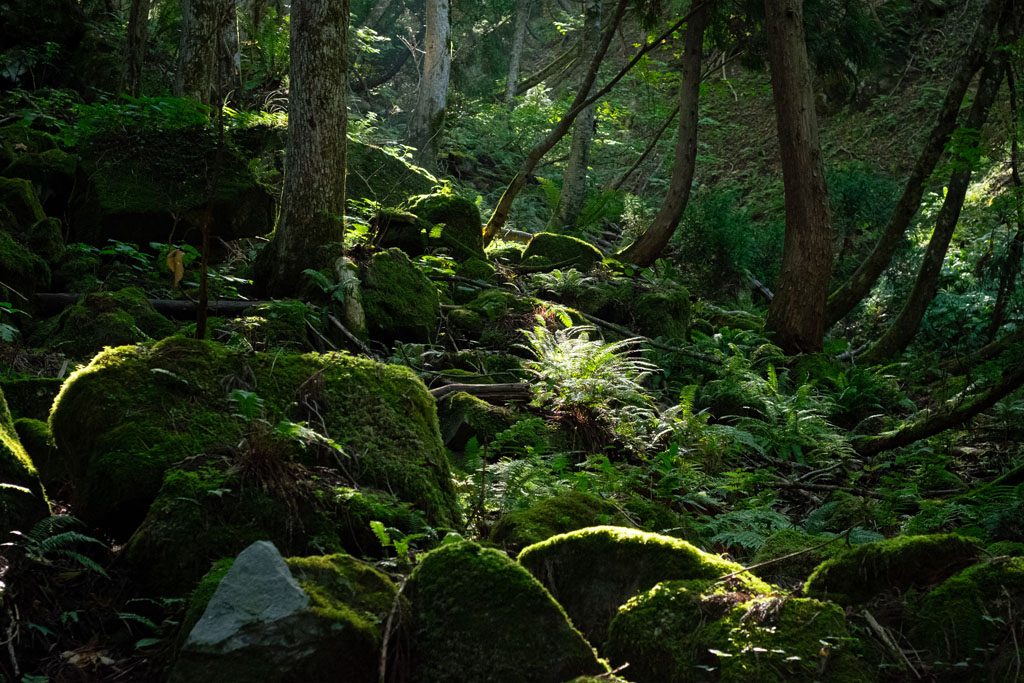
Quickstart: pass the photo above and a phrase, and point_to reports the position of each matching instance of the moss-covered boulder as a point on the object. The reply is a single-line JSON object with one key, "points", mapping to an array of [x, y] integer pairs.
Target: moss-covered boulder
{"points": [[548, 251], [18, 195], [970, 623], [53, 174], [401, 303], [261, 617], [22, 499], [103, 319], [378, 175], [20, 266], [684, 631], [135, 412], [458, 217], [557, 514], [464, 417], [663, 313], [273, 325], [37, 440], [896, 564], [478, 616], [394, 228], [591, 572], [150, 185]]}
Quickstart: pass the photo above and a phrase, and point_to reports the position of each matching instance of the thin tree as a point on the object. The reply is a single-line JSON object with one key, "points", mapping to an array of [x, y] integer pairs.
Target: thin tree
{"points": [[796, 316], [845, 298], [310, 226], [646, 249], [427, 122], [903, 329]]}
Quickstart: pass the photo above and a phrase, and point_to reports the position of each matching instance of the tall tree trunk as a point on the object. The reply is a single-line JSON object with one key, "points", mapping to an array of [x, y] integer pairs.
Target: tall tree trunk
{"points": [[138, 32], [903, 329], [229, 56], [377, 13], [310, 228], [796, 316], [427, 122], [197, 52], [574, 179], [648, 247], [515, 56], [852, 292]]}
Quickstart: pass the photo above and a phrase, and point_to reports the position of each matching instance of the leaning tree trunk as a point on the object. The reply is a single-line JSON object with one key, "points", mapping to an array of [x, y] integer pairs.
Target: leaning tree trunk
{"points": [[427, 122], [905, 326], [852, 292], [574, 179], [648, 247], [796, 316], [310, 228], [515, 55], [138, 31]]}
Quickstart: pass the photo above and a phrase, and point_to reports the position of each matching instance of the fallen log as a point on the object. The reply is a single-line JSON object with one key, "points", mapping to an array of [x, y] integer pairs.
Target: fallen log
{"points": [[174, 308], [492, 393]]}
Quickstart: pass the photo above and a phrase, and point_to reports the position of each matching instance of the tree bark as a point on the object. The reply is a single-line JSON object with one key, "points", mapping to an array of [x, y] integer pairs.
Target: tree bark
{"points": [[796, 316], [138, 32], [427, 122], [904, 328], [515, 56], [845, 298], [229, 56], [574, 179], [197, 51], [648, 247], [310, 228]]}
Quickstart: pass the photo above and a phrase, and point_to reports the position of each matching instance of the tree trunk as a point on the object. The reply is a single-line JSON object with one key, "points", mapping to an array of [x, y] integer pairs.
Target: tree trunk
{"points": [[852, 292], [796, 316], [427, 122], [310, 228], [197, 52], [648, 247], [515, 56], [229, 56], [574, 179], [377, 13], [138, 32], [651, 145], [905, 326]]}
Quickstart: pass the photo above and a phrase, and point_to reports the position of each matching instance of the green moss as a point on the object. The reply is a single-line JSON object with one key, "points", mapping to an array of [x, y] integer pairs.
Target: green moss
{"points": [[30, 396], [201, 595], [591, 572], [547, 251], [401, 303], [476, 616], [345, 589], [862, 573], [53, 174], [461, 231], [274, 325], [506, 252], [663, 313], [46, 239], [38, 442], [476, 269], [463, 417], [558, 514], [355, 509], [19, 267], [22, 499], [395, 228], [18, 195], [77, 271], [134, 412], [968, 622], [376, 174], [1006, 548], [795, 570], [103, 319]]}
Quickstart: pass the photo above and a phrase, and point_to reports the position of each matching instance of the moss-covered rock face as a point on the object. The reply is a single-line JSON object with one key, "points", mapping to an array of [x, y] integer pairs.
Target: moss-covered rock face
{"points": [[398, 229], [133, 413], [378, 175], [551, 516], [591, 572], [478, 616], [459, 218], [683, 631], [103, 319], [401, 303], [155, 187], [548, 251], [22, 499], [968, 623], [862, 573]]}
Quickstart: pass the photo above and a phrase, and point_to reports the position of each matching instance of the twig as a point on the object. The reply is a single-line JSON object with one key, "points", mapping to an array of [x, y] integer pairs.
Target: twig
{"points": [[517, 391], [807, 486], [388, 631], [845, 536], [887, 640], [351, 337]]}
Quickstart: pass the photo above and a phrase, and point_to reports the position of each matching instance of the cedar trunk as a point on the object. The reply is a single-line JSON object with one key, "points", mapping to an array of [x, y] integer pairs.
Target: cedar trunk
{"points": [[796, 316], [310, 228], [427, 122], [138, 31], [201, 21]]}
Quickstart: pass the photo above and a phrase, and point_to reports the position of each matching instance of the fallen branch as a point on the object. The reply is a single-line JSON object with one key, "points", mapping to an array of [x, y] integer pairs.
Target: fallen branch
{"points": [[356, 341], [492, 393], [887, 640]]}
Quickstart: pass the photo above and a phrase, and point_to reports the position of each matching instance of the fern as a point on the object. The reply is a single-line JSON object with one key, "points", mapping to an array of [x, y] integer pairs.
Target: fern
{"points": [[55, 540]]}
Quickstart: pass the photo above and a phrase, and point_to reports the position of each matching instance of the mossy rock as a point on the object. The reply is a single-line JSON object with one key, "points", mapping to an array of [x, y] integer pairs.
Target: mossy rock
{"points": [[394, 228], [548, 251], [686, 631], [150, 185], [22, 499], [20, 267], [664, 313], [478, 616], [500, 315], [507, 252], [35, 436], [18, 195], [18, 139], [896, 564], [459, 218], [273, 325], [401, 303], [557, 514], [463, 417], [476, 269], [1006, 549], [46, 239], [968, 622], [135, 412], [30, 396], [591, 572], [810, 550], [102, 319], [53, 174], [378, 175]]}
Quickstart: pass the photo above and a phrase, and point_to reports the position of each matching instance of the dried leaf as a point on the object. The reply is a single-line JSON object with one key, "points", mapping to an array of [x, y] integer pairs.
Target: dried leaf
{"points": [[176, 264]]}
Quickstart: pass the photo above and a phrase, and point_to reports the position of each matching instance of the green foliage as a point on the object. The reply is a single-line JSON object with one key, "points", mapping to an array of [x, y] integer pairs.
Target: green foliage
{"points": [[57, 542], [134, 115]]}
